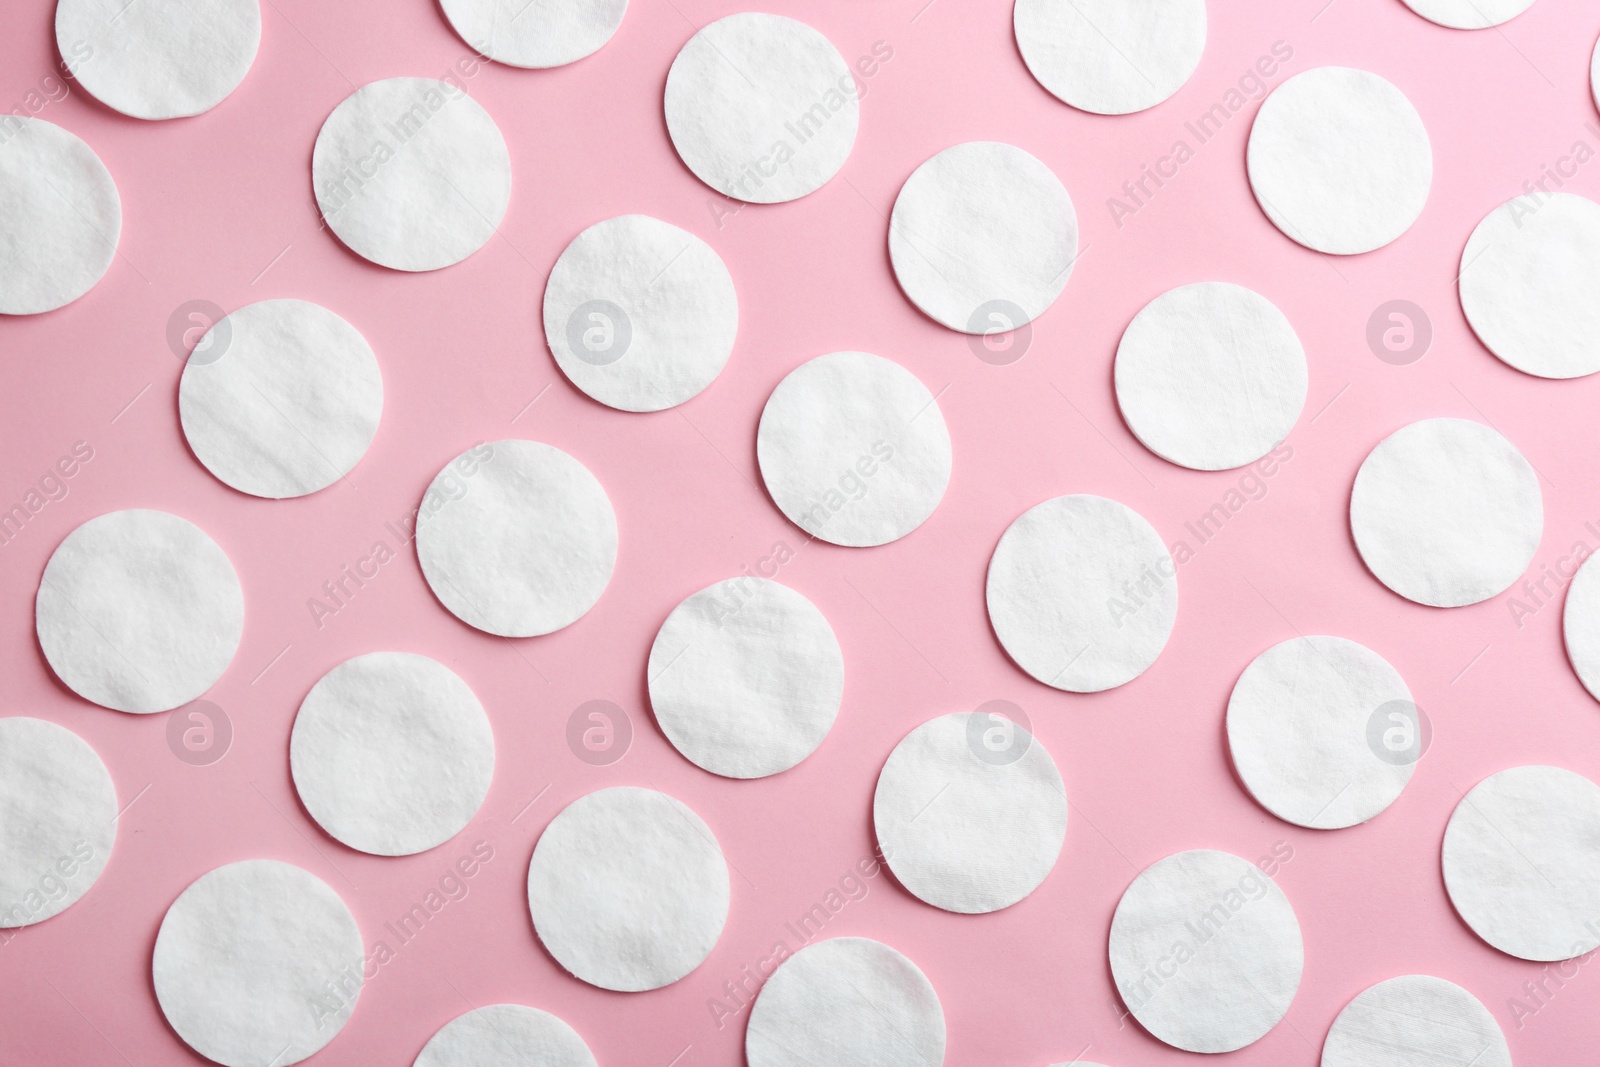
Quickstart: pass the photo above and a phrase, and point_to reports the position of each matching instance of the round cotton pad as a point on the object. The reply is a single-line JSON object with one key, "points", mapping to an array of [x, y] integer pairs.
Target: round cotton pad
{"points": [[1339, 160], [411, 173], [1469, 15], [1111, 57], [1300, 729], [60, 217], [282, 400], [745, 678], [1210, 376], [1411, 1020], [58, 819], [982, 231], [761, 108], [1082, 593], [258, 964], [846, 1002], [639, 314], [1446, 512], [1580, 624], [628, 889], [517, 538], [158, 59], [1206, 951], [139, 611], [505, 1035], [1522, 862], [964, 830], [535, 33], [854, 449], [391, 753], [1530, 284]]}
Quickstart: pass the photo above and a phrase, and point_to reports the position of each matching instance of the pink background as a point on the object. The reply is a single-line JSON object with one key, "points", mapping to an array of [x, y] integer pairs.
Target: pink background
{"points": [[220, 207]]}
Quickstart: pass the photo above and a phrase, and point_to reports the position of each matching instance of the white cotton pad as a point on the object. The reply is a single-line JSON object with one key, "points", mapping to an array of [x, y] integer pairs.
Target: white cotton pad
{"points": [[283, 400], [1111, 57], [854, 449], [535, 33], [1210, 376], [982, 230], [411, 173], [962, 829], [846, 1002], [628, 889], [58, 819], [60, 217], [1300, 725], [1339, 160], [1413, 1020], [1522, 862], [1082, 593], [1580, 625], [745, 678], [1530, 284], [258, 964], [761, 108], [1469, 15], [158, 59], [505, 1035], [517, 538], [391, 753], [1206, 951], [139, 611], [640, 314], [1446, 512]]}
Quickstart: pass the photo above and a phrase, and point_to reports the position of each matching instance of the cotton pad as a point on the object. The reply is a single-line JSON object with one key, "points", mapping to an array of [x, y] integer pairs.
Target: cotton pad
{"points": [[1206, 951], [284, 401], [982, 229], [58, 819], [1580, 624], [639, 314], [60, 216], [965, 832], [1210, 376], [535, 33], [846, 1002], [158, 59], [139, 611], [761, 108], [1469, 15], [854, 449], [1446, 512], [1415, 1019], [1339, 160], [1522, 862], [1301, 732], [505, 1035], [628, 889], [745, 677], [1082, 593], [1111, 57], [258, 964], [411, 173], [1530, 284], [391, 753], [516, 538]]}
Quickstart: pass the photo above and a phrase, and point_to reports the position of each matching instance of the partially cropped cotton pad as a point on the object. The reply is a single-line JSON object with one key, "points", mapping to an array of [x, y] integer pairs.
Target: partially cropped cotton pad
{"points": [[1469, 15], [535, 33], [1111, 57], [1580, 625], [505, 1035], [1413, 1020]]}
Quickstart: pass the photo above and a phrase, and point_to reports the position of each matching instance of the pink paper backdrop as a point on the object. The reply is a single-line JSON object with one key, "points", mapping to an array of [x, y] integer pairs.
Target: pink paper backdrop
{"points": [[219, 207]]}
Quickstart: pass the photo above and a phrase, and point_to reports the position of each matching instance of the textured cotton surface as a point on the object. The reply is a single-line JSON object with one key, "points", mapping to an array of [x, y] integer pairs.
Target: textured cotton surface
{"points": [[60, 217], [1111, 57], [1469, 14], [505, 1035], [1415, 1019], [1580, 626], [535, 33]]}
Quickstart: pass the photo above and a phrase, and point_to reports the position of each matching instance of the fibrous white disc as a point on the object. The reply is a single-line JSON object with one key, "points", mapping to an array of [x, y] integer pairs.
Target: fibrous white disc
{"points": [[258, 964], [280, 398], [411, 173], [746, 677], [1469, 14], [1580, 625], [640, 314], [505, 1035], [535, 33], [854, 449], [1111, 57], [1446, 512], [1522, 862], [1206, 951], [139, 611], [1339, 160], [983, 233], [628, 889], [391, 753], [517, 538], [1210, 376], [1415, 1019]]}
